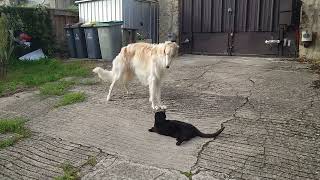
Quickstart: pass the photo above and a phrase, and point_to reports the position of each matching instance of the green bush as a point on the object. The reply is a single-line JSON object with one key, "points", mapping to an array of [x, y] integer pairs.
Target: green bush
{"points": [[6, 47], [34, 21]]}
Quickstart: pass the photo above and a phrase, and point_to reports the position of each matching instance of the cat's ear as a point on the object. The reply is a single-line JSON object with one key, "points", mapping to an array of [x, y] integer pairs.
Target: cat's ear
{"points": [[155, 110]]}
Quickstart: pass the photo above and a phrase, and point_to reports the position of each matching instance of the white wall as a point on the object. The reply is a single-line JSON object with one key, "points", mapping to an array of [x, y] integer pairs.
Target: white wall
{"points": [[100, 11], [59, 4], [4, 2]]}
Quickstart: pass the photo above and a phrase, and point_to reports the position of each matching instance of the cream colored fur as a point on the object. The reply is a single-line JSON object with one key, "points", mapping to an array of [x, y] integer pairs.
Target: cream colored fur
{"points": [[147, 62]]}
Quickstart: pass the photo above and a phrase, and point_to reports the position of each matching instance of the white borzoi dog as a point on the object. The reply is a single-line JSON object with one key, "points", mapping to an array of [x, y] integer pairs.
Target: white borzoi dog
{"points": [[145, 61]]}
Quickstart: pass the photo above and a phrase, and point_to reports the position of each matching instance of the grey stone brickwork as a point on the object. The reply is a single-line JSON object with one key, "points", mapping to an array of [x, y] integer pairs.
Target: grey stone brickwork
{"points": [[310, 20], [169, 18]]}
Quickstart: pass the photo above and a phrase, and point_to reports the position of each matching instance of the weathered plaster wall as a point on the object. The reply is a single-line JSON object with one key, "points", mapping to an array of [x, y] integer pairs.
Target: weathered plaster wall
{"points": [[4, 2], [310, 20], [169, 18]]}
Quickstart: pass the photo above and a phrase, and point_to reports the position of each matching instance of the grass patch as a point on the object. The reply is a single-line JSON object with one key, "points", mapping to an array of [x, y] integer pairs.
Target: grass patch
{"points": [[69, 173], [15, 126], [26, 74], [11, 125], [88, 81], [11, 141], [71, 98], [73, 173], [55, 88]]}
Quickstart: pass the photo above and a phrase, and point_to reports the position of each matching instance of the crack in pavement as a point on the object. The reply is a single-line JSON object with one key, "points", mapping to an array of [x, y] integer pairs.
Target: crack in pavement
{"points": [[199, 154], [247, 100], [206, 69], [158, 176]]}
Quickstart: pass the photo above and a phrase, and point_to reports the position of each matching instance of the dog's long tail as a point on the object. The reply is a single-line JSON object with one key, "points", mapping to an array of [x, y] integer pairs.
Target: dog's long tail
{"points": [[211, 135], [117, 65], [106, 75]]}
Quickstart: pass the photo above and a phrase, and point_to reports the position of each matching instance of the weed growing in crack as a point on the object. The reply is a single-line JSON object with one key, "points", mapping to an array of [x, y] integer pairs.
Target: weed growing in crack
{"points": [[69, 172], [71, 98], [187, 174], [14, 127], [73, 173], [92, 161]]}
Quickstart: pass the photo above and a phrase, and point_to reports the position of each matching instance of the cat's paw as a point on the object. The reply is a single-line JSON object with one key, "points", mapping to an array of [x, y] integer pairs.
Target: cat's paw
{"points": [[163, 107], [151, 130], [178, 143]]}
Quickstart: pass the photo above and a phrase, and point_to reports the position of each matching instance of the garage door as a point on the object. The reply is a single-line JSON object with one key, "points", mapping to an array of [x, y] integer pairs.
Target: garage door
{"points": [[239, 27]]}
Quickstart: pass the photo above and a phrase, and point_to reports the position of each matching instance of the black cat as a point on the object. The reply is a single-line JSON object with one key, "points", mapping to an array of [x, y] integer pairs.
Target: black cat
{"points": [[180, 130]]}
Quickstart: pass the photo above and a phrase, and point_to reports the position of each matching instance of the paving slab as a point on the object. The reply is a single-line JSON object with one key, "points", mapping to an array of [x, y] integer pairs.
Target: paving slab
{"points": [[268, 106]]}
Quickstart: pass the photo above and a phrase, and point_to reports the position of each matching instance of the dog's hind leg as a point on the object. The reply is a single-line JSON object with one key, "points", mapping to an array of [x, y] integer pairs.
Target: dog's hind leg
{"points": [[111, 87], [125, 85]]}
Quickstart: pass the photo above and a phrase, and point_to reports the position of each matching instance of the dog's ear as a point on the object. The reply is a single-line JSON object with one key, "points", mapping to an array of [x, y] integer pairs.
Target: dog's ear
{"points": [[164, 49], [161, 50], [155, 110], [124, 50]]}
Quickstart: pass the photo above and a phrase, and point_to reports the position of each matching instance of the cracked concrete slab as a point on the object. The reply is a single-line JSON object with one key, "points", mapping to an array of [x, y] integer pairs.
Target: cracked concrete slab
{"points": [[268, 106], [121, 169]]}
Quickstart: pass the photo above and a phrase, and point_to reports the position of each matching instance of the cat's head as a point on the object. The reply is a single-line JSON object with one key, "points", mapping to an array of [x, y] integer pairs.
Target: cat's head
{"points": [[160, 116]]}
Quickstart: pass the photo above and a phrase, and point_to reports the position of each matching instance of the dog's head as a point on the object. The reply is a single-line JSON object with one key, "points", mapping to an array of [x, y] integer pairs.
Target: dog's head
{"points": [[160, 116], [96, 69], [171, 51]]}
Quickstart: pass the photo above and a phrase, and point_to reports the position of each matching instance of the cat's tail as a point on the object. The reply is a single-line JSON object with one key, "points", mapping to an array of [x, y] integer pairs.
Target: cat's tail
{"points": [[211, 135]]}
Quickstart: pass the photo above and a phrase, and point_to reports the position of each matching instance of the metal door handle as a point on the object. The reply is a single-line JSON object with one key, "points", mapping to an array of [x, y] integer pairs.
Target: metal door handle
{"points": [[185, 41], [272, 42]]}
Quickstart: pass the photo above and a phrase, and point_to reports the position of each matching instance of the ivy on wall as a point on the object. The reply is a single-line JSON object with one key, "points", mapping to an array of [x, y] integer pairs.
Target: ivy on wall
{"points": [[35, 22]]}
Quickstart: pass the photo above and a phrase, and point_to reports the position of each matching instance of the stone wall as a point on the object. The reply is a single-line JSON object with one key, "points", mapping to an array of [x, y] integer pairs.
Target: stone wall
{"points": [[169, 18], [310, 20]]}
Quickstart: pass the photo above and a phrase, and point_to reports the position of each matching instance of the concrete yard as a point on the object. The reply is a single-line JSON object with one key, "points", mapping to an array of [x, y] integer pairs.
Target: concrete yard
{"points": [[269, 107]]}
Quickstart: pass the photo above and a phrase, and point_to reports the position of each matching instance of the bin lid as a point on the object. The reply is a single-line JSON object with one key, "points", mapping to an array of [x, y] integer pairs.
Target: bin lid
{"points": [[67, 26], [77, 25], [109, 23], [91, 24]]}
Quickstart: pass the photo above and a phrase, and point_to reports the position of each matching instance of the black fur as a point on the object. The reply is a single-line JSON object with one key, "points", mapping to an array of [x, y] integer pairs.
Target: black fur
{"points": [[180, 130]]}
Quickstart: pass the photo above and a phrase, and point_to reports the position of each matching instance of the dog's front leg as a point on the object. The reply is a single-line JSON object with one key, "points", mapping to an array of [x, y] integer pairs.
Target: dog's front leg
{"points": [[152, 91], [158, 94]]}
